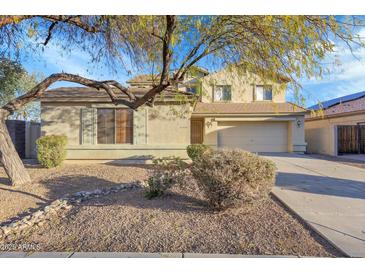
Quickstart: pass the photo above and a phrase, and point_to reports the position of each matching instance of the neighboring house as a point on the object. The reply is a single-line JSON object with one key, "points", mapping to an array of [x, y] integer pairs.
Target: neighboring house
{"points": [[223, 109], [24, 135], [337, 126]]}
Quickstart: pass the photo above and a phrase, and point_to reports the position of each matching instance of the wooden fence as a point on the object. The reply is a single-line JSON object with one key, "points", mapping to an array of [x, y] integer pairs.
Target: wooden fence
{"points": [[351, 139]]}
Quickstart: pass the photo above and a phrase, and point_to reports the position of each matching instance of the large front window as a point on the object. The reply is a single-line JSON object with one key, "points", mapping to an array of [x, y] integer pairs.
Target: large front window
{"points": [[222, 93], [115, 126], [263, 93]]}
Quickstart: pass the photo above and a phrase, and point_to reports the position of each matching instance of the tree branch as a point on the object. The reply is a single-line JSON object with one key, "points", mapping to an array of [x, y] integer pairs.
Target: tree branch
{"points": [[39, 90], [13, 19], [166, 47], [72, 20], [133, 101], [51, 27]]}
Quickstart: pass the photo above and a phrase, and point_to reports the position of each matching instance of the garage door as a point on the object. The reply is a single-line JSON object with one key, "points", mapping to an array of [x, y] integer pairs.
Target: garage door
{"points": [[254, 136]]}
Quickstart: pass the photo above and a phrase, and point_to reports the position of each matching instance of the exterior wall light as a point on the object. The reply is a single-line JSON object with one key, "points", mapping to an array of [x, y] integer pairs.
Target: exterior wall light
{"points": [[299, 123]]}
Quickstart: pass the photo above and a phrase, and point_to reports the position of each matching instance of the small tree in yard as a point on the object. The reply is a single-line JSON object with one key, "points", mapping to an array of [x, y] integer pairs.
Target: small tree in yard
{"points": [[269, 46]]}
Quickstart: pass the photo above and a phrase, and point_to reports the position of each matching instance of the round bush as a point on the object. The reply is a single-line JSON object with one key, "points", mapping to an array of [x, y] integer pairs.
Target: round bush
{"points": [[231, 178], [166, 173], [51, 150], [196, 150]]}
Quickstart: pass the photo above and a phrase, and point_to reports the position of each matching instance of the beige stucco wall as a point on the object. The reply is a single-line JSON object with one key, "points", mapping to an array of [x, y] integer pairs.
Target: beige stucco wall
{"points": [[242, 86], [321, 134], [296, 141], [62, 119], [169, 125], [161, 131]]}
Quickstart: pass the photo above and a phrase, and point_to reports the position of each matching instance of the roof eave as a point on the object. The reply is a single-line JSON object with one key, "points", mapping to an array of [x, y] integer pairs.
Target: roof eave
{"points": [[211, 114], [335, 115]]}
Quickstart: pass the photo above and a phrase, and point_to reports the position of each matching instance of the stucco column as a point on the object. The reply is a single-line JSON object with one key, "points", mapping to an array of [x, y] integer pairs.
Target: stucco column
{"points": [[210, 132], [290, 136]]}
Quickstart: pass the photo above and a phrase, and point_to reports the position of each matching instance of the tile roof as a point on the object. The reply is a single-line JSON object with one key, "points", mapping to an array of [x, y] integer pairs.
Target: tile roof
{"points": [[247, 108], [144, 78], [154, 78], [347, 108], [85, 94]]}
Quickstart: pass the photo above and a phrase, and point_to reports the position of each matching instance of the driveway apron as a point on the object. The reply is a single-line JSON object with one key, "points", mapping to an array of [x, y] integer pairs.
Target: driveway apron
{"points": [[328, 195]]}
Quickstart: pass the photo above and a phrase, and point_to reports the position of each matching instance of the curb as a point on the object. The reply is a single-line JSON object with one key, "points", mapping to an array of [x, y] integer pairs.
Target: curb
{"points": [[131, 255]]}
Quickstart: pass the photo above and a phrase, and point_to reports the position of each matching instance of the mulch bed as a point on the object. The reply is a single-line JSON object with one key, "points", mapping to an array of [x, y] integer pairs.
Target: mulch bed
{"points": [[177, 222]]}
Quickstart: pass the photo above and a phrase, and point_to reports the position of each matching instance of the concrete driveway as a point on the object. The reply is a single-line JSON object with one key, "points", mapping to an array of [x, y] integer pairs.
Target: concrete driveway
{"points": [[329, 196]]}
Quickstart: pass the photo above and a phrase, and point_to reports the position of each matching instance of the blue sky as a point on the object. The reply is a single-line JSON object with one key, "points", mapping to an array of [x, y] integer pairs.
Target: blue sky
{"points": [[347, 78]]}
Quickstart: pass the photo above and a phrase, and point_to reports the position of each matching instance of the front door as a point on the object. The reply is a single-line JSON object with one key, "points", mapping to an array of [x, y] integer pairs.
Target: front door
{"points": [[196, 131]]}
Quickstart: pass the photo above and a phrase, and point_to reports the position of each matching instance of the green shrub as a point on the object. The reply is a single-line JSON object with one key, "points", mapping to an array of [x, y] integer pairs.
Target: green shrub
{"points": [[230, 178], [166, 173], [196, 150], [51, 150]]}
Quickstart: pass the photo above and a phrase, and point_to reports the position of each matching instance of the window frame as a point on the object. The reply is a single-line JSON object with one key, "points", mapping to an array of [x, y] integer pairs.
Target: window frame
{"points": [[192, 87], [214, 93], [115, 127], [263, 95]]}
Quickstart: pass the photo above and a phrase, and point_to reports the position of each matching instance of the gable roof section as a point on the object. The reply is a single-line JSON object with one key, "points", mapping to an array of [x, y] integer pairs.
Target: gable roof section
{"points": [[248, 108], [339, 100]]}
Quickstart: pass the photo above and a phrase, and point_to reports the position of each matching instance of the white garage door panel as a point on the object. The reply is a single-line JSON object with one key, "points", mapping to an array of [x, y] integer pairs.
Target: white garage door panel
{"points": [[254, 136]]}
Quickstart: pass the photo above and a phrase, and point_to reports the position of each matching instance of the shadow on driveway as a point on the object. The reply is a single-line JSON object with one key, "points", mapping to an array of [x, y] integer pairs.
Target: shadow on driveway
{"points": [[321, 185]]}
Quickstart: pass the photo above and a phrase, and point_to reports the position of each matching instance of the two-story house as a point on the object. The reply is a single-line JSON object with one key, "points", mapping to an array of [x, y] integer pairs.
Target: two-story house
{"points": [[224, 109]]}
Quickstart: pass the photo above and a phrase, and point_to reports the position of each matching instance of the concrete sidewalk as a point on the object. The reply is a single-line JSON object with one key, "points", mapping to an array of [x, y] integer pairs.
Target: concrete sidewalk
{"points": [[329, 196]]}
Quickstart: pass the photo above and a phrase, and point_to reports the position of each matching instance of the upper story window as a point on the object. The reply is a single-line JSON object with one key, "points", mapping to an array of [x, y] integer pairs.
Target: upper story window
{"points": [[263, 93], [191, 89], [114, 126], [222, 93]]}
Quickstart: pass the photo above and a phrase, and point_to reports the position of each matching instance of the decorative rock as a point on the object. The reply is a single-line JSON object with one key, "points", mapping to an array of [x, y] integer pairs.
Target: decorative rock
{"points": [[12, 225], [26, 218], [58, 206], [41, 223], [98, 191], [37, 213], [6, 230]]}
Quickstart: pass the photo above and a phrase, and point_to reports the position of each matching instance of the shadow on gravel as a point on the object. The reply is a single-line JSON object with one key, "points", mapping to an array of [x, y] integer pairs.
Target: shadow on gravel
{"points": [[172, 201], [59, 186], [5, 181], [25, 193]]}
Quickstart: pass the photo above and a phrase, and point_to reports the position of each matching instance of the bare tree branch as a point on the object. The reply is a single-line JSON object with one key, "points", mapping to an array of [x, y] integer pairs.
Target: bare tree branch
{"points": [[51, 27]]}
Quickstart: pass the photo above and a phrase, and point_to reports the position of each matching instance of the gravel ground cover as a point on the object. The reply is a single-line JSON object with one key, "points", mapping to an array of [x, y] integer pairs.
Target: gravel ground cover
{"points": [[50, 184], [128, 222]]}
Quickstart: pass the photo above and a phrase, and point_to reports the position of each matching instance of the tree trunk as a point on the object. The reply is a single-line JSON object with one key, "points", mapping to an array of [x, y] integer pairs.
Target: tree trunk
{"points": [[9, 157]]}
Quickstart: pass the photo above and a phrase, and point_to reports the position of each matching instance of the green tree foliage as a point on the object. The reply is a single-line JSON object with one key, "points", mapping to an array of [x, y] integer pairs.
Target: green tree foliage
{"points": [[271, 46], [15, 81]]}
